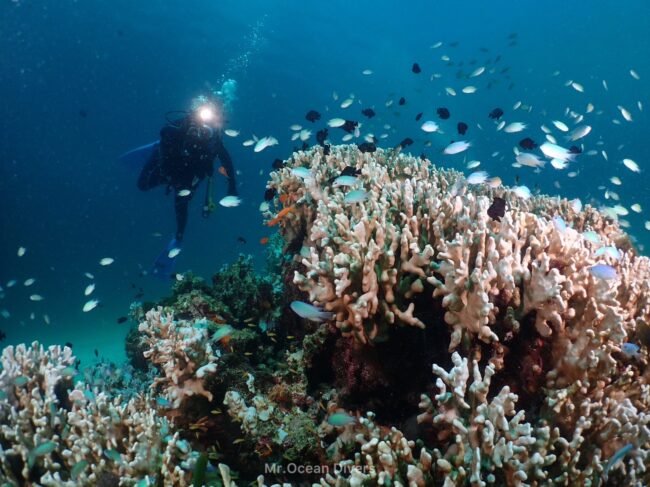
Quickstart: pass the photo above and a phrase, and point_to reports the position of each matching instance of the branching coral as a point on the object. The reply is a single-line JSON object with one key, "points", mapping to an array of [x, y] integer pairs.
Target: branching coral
{"points": [[367, 261], [536, 325], [481, 438], [58, 437], [183, 352], [526, 290]]}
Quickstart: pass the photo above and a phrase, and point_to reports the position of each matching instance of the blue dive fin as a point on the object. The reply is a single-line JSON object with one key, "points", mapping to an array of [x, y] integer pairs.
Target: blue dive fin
{"points": [[163, 267], [139, 156]]}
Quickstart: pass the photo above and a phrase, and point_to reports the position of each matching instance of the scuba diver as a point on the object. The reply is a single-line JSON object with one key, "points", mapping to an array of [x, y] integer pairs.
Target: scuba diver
{"points": [[181, 159]]}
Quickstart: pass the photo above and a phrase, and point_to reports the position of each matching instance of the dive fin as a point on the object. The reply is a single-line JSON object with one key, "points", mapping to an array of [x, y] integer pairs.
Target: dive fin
{"points": [[139, 156], [163, 267]]}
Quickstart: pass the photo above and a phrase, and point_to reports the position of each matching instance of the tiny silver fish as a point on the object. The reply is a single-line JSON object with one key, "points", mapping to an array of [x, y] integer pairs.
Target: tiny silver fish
{"points": [[356, 196], [310, 312]]}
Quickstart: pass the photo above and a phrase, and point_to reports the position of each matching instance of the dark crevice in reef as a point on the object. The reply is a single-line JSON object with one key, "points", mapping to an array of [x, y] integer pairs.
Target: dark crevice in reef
{"points": [[296, 243], [527, 360], [61, 391], [321, 373], [386, 377]]}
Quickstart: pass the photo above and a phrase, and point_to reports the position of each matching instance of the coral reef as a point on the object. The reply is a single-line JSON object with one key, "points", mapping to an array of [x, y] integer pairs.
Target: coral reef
{"points": [[55, 434], [183, 353], [245, 293], [535, 326], [522, 297]]}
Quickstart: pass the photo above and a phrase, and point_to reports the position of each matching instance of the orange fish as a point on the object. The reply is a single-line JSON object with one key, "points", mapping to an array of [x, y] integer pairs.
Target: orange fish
{"points": [[264, 240], [223, 172], [281, 214], [284, 198]]}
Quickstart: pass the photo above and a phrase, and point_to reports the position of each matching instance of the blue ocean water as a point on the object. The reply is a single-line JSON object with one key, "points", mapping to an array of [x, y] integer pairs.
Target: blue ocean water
{"points": [[82, 82]]}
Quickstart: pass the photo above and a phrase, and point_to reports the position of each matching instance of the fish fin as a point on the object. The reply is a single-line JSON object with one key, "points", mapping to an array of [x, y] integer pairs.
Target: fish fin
{"points": [[325, 315], [163, 266], [138, 157]]}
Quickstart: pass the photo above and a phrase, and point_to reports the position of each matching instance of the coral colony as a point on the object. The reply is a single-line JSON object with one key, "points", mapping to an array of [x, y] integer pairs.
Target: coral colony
{"points": [[407, 332]]}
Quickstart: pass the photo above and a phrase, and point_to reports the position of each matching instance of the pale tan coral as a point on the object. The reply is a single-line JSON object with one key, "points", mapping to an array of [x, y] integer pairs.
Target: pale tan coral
{"points": [[481, 436], [183, 352], [382, 456], [424, 230], [119, 439], [414, 228]]}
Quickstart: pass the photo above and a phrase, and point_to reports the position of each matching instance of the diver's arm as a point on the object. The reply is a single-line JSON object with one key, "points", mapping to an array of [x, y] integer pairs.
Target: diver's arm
{"points": [[226, 162]]}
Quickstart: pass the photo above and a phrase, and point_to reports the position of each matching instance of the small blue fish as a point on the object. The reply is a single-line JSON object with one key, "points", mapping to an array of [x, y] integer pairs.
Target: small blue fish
{"points": [[592, 236], [20, 381], [44, 448], [560, 224], [478, 177], [39, 451], [617, 457], [145, 482], [163, 402], [183, 446], [311, 313], [610, 251], [630, 350], [77, 468], [340, 419], [345, 181], [603, 271], [302, 172], [355, 196], [114, 455], [222, 332], [68, 372]]}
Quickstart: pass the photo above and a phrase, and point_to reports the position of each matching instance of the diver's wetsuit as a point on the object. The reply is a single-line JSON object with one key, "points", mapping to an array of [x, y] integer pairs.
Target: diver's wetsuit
{"points": [[182, 160]]}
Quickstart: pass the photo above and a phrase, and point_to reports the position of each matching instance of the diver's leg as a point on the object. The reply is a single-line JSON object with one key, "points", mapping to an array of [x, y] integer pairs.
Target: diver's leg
{"points": [[181, 206], [152, 174]]}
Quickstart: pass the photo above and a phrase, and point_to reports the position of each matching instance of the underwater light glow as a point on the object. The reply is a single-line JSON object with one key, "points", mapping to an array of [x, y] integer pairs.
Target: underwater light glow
{"points": [[206, 113]]}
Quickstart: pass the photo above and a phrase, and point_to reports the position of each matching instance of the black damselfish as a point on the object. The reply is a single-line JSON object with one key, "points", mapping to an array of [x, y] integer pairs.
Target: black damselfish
{"points": [[349, 126], [321, 136], [496, 114], [312, 115], [528, 143], [351, 171], [497, 209], [443, 113], [367, 147]]}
